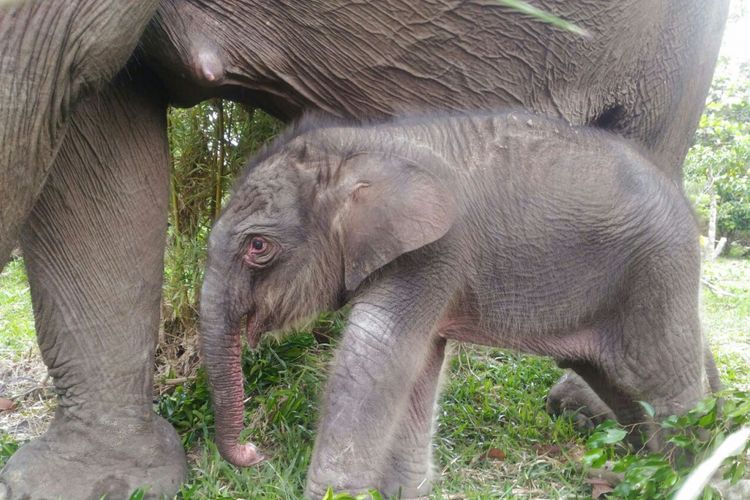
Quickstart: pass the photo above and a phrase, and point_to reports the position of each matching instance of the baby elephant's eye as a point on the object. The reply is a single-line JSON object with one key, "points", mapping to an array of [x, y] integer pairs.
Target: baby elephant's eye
{"points": [[260, 252], [258, 244]]}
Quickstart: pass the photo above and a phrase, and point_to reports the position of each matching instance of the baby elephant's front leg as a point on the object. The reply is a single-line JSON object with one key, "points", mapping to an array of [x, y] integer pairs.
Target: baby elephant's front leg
{"points": [[384, 350]]}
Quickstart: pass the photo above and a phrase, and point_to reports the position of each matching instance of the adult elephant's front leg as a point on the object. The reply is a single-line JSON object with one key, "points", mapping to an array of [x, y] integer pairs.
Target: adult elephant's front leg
{"points": [[52, 54], [94, 251], [388, 342]]}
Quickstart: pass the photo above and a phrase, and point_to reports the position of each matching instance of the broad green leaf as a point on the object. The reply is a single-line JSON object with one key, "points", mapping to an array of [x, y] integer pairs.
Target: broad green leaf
{"points": [[595, 458], [647, 408]]}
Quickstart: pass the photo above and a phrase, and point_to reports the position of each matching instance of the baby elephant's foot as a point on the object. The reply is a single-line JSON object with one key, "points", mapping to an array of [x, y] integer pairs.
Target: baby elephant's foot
{"points": [[571, 396], [318, 484], [315, 490], [92, 458], [408, 479], [407, 492]]}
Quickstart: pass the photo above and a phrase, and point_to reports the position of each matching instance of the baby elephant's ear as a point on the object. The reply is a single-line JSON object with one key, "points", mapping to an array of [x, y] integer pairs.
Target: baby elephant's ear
{"points": [[392, 207]]}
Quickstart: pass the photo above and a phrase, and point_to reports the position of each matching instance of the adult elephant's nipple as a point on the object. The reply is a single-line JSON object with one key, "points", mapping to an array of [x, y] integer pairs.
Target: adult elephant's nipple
{"points": [[209, 68]]}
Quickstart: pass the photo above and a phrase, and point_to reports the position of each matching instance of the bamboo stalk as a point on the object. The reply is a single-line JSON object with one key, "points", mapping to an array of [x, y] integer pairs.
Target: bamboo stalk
{"points": [[220, 153]]}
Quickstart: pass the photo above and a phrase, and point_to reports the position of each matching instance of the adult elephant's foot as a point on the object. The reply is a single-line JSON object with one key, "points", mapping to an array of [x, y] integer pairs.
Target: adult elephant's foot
{"points": [[88, 458], [572, 396]]}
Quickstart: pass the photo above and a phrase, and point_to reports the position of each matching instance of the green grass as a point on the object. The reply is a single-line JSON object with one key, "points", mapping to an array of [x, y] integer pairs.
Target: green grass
{"points": [[281, 383], [492, 400], [16, 318], [726, 318]]}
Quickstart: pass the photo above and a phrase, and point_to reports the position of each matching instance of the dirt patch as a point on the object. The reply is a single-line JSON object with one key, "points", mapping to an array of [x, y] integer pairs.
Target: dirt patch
{"points": [[177, 355], [25, 382], [27, 390]]}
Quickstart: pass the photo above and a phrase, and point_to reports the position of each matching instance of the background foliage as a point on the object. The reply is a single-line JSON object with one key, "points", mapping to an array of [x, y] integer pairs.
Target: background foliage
{"points": [[718, 163], [209, 144]]}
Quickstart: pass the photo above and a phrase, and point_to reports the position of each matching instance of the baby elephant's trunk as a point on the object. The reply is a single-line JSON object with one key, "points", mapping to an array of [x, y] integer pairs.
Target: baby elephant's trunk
{"points": [[221, 346]]}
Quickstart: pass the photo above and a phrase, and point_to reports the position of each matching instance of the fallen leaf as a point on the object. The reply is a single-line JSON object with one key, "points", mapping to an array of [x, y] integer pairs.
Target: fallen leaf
{"points": [[7, 405], [493, 454], [547, 450], [602, 481], [599, 487]]}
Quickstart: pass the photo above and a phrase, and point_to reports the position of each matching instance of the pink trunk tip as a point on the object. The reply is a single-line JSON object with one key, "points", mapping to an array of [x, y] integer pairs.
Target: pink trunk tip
{"points": [[242, 455]]}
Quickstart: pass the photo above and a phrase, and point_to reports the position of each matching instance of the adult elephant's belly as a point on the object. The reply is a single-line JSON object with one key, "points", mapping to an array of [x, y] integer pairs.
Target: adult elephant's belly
{"points": [[643, 70]]}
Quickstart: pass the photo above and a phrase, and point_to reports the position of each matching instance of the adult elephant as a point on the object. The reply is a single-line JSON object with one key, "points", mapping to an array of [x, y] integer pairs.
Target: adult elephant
{"points": [[94, 239]]}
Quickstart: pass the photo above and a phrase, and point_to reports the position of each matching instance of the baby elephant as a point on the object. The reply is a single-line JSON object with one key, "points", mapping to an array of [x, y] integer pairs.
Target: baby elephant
{"points": [[504, 229]]}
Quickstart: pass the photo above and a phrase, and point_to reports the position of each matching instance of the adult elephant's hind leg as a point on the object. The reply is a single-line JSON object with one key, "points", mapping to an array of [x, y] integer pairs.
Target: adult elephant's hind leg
{"points": [[94, 251]]}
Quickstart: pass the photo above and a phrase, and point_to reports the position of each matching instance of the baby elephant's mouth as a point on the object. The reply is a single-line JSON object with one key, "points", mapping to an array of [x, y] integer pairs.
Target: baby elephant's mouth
{"points": [[252, 330]]}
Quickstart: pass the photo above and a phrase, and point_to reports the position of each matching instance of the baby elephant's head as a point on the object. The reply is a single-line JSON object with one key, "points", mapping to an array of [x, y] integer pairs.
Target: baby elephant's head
{"points": [[306, 224]]}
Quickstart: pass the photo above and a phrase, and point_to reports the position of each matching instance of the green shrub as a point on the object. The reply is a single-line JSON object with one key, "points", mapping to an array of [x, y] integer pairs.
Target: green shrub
{"points": [[694, 434], [8, 447]]}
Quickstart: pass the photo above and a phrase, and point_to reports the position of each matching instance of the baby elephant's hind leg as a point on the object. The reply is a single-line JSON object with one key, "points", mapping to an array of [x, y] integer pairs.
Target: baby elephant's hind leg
{"points": [[571, 395], [651, 351]]}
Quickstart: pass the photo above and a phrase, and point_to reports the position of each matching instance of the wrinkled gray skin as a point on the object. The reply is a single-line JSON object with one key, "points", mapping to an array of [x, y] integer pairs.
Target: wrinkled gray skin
{"points": [[505, 230], [52, 54], [95, 268]]}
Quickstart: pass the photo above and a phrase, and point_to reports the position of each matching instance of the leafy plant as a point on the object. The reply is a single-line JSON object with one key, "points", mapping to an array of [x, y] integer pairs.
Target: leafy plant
{"points": [[188, 409], [8, 447], [370, 495], [695, 434]]}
